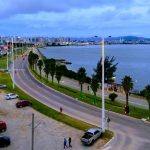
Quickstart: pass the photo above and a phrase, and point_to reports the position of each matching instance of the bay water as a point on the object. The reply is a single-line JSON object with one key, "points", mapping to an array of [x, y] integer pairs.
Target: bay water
{"points": [[133, 60]]}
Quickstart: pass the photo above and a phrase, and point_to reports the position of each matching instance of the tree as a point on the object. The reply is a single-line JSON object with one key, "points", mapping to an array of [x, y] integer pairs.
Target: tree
{"points": [[40, 65], [35, 59], [109, 68], [94, 86], [30, 59], [47, 68], [52, 63], [59, 72], [127, 84], [81, 76], [147, 96], [113, 96]]}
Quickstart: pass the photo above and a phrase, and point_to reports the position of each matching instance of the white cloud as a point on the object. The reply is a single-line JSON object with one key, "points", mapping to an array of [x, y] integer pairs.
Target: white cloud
{"points": [[75, 16]]}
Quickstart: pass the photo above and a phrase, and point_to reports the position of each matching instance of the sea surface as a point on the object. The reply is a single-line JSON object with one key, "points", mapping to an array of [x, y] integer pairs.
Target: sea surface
{"points": [[133, 60]]}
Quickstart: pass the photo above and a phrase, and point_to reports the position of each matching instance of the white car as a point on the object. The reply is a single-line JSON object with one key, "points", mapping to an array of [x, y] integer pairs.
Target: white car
{"points": [[11, 96], [2, 86], [91, 136]]}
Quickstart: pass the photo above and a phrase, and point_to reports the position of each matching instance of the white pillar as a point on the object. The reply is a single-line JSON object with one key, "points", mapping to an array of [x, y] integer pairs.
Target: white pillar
{"points": [[103, 94], [13, 66]]}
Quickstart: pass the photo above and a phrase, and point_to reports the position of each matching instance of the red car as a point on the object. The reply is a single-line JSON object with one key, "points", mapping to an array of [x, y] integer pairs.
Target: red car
{"points": [[3, 126], [23, 104]]}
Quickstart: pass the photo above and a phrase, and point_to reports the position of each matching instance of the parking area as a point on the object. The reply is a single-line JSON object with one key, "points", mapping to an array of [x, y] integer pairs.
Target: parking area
{"points": [[49, 134]]}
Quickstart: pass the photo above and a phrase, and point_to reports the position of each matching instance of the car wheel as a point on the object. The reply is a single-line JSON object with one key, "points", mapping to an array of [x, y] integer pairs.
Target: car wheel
{"points": [[3, 130], [92, 142]]}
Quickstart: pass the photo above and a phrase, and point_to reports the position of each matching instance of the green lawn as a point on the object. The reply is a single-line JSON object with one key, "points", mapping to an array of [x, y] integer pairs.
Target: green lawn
{"points": [[78, 124], [3, 63], [117, 107]]}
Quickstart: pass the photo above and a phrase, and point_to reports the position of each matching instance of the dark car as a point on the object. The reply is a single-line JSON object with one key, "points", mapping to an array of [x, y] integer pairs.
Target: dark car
{"points": [[4, 141], [3, 126], [23, 104]]}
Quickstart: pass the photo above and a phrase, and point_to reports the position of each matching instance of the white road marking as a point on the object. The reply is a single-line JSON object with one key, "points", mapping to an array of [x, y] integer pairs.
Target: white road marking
{"points": [[107, 148], [136, 103]]}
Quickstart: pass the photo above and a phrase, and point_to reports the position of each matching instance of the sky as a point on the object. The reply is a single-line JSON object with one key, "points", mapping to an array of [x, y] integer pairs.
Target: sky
{"points": [[75, 18]]}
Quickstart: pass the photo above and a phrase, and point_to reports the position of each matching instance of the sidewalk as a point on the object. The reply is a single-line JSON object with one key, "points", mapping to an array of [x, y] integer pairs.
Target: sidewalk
{"points": [[133, 100]]}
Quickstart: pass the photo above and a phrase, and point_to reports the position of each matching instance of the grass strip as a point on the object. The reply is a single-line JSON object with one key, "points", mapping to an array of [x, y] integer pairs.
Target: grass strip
{"points": [[78, 124], [116, 106]]}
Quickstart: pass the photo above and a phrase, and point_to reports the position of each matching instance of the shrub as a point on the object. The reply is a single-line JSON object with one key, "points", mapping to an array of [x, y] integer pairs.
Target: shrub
{"points": [[113, 96]]}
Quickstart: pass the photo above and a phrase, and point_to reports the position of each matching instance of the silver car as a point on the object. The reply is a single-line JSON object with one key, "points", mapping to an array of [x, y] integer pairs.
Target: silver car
{"points": [[2, 86], [11, 96], [91, 136]]}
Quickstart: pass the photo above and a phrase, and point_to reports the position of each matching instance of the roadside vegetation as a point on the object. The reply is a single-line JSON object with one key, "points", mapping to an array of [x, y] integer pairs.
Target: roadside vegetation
{"points": [[114, 106], [78, 124]]}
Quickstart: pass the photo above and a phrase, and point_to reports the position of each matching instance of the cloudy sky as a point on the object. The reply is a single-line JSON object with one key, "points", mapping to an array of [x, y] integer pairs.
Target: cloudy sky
{"points": [[75, 18]]}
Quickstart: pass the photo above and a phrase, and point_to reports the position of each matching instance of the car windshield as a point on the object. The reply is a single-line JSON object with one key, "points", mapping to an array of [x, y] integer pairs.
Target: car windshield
{"points": [[89, 133]]}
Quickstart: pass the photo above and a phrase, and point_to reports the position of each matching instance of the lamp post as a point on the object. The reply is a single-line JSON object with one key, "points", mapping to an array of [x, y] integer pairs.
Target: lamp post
{"points": [[13, 65], [103, 97], [7, 56]]}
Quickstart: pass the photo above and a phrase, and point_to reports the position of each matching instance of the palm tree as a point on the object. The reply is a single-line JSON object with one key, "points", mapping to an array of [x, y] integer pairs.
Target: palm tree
{"points": [[40, 65], [94, 86], [47, 68], [30, 59], [147, 95], [81, 76], [127, 84], [59, 73], [52, 67], [35, 59]]}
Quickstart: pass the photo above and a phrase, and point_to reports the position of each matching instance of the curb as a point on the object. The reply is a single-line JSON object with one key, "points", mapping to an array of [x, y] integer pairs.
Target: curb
{"points": [[103, 148]]}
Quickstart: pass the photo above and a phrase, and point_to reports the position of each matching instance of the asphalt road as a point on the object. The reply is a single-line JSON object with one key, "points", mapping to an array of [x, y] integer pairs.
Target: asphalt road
{"points": [[130, 133]]}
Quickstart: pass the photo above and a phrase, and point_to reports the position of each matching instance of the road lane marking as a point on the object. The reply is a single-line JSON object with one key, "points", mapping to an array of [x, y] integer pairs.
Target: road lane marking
{"points": [[135, 103], [107, 148]]}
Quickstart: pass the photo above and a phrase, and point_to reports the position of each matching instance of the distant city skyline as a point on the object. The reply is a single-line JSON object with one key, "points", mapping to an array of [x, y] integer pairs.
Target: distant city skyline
{"points": [[75, 18]]}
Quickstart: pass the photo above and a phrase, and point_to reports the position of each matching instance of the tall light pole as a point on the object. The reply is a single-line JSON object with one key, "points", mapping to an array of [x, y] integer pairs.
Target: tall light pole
{"points": [[32, 145], [13, 65], [103, 97], [7, 56]]}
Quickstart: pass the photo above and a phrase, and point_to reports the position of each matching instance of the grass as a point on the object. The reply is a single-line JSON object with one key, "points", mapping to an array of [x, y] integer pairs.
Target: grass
{"points": [[3, 59], [78, 124], [117, 107], [5, 79], [3, 63]]}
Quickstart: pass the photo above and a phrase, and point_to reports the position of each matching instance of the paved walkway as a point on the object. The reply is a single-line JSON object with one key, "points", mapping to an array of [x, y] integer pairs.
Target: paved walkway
{"points": [[133, 100]]}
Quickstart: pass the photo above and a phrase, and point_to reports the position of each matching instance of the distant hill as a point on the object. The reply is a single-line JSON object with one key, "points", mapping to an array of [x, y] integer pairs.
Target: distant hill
{"points": [[96, 38]]}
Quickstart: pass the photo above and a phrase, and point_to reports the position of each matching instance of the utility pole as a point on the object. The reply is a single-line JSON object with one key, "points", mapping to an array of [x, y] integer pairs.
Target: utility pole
{"points": [[7, 56], [103, 98], [13, 65], [32, 145], [15, 50], [22, 48]]}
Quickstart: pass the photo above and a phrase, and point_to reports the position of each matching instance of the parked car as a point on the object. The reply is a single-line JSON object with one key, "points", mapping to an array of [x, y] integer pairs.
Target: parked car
{"points": [[11, 96], [23, 104], [4, 141], [2, 86], [91, 136], [3, 126]]}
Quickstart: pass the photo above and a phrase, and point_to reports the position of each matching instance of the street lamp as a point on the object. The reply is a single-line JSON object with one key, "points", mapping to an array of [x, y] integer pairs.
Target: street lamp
{"points": [[103, 84], [103, 87], [13, 65], [7, 56]]}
